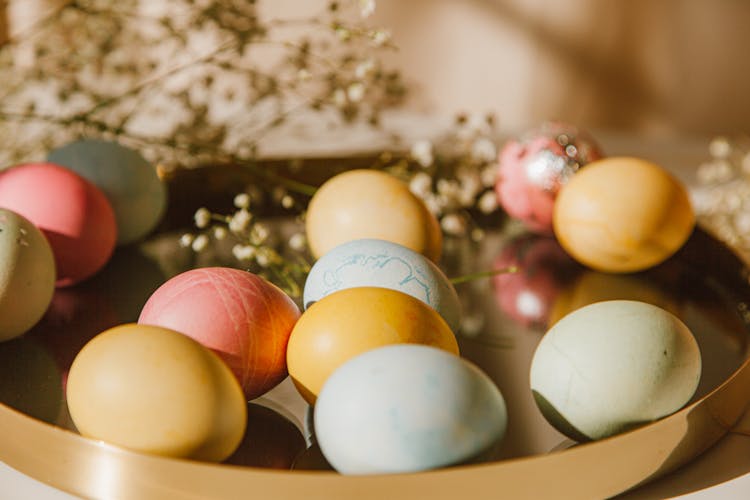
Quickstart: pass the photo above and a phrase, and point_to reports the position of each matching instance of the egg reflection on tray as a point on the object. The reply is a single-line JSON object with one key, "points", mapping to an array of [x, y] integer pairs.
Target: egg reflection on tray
{"points": [[544, 269]]}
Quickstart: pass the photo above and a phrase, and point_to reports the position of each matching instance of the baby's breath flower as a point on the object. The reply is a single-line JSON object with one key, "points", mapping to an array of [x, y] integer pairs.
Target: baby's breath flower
{"points": [[259, 234], [489, 175], [381, 37], [421, 151], [243, 252], [186, 240], [484, 150], [420, 184], [488, 202], [287, 201], [202, 217], [366, 8], [477, 234], [240, 220], [297, 242], [720, 147], [303, 75], [264, 257], [220, 232], [339, 98], [355, 92], [453, 224], [364, 68], [242, 200], [200, 243]]}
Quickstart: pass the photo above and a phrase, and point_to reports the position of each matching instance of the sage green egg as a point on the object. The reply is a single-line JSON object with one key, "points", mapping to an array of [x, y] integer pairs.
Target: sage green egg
{"points": [[130, 183], [612, 366], [27, 274]]}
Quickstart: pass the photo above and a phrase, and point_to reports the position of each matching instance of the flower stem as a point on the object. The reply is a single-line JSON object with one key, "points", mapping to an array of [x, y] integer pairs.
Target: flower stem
{"points": [[484, 274]]}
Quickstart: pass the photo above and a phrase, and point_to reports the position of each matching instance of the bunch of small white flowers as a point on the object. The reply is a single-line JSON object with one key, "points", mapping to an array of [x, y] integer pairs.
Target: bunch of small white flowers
{"points": [[255, 247], [456, 179], [722, 200]]}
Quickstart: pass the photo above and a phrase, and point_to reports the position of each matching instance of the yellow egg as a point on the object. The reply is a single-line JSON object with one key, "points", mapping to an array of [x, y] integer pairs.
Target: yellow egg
{"points": [[154, 390], [352, 321], [622, 215], [370, 204]]}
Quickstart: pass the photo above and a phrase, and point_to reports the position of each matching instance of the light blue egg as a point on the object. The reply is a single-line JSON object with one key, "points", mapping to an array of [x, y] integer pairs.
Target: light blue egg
{"points": [[137, 195], [407, 408], [371, 262]]}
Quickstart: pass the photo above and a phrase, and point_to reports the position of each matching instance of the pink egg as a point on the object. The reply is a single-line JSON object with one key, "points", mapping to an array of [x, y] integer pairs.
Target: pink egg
{"points": [[242, 317], [534, 167], [73, 214]]}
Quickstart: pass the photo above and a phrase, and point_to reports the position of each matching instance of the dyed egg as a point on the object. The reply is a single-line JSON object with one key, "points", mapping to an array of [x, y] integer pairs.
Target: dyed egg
{"points": [[73, 214], [384, 264], [154, 390], [407, 408], [623, 215], [362, 204], [137, 195], [352, 321], [27, 275], [243, 318], [533, 169], [612, 366]]}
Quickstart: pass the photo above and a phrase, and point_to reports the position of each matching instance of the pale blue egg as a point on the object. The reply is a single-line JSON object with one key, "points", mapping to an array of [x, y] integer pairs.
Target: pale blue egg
{"points": [[407, 408], [130, 183], [371, 262]]}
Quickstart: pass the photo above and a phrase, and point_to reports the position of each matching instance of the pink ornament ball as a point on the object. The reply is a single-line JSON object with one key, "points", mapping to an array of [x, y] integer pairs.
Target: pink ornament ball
{"points": [[243, 318], [533, 168], [73, 214]]}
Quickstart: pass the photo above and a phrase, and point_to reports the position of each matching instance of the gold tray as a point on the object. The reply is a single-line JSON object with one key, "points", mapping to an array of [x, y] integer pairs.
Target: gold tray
{"points": [[705, 283]]}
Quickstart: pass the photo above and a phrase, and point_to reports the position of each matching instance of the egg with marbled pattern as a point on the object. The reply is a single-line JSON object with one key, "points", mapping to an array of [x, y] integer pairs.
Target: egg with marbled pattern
{"points": [[407, 408], [380, 263]]}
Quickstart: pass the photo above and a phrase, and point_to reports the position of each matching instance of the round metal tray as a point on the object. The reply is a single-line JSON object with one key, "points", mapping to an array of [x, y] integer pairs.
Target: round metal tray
{"points": [[705, 284]]}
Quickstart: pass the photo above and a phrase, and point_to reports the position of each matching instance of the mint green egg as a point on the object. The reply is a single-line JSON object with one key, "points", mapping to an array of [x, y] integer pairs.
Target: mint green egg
{"points": [[130, 183], [27, 274]]}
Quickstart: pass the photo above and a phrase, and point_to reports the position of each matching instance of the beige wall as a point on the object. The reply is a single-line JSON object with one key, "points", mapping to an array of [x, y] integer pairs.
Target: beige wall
{"points": [[647, 66]]}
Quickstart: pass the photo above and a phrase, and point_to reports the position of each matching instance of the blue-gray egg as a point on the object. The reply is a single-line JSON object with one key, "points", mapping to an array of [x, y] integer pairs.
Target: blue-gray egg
{"points": [[612, 366], [384, 264], [407, 408], [27, 274], [137, 195]]}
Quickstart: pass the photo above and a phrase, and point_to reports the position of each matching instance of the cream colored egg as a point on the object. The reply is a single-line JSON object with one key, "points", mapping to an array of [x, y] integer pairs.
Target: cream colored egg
{"points": [[622, 215], [612, 366], [27, 274], [154, 390], [370, 204]]}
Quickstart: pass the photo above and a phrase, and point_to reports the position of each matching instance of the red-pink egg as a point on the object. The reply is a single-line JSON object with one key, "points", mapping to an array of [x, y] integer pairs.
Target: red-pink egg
{"points": [[73, 214], [242, 317]]}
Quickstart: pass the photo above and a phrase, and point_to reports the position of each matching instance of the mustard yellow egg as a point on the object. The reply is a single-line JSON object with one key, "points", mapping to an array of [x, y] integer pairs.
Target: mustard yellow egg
{"points": [[349, 322], [154, 390], [622, 215], [370, 204]]}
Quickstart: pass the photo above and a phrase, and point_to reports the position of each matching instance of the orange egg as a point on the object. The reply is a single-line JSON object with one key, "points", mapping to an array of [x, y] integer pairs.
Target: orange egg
{"points": [[370, 204], [352, 321], [622, 215]]}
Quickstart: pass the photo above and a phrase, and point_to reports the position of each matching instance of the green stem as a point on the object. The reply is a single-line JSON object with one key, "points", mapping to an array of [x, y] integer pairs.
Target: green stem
{"points": [[290, 184], [484, 274]]}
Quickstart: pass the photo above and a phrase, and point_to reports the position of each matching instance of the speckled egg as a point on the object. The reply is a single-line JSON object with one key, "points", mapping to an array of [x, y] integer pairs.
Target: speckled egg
{"points": [[154, 390], [407, 408], [352, 321], [612, 366], [370, 204], [73, 214], [137, 195], [381, 263], [27, 274], [623, 215]]}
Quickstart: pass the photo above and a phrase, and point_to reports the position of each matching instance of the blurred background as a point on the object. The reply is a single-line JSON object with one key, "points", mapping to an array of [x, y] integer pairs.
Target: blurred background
{"points": [[655, 68]]}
